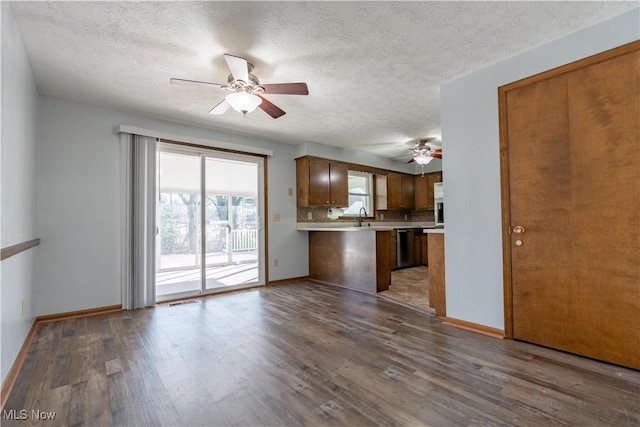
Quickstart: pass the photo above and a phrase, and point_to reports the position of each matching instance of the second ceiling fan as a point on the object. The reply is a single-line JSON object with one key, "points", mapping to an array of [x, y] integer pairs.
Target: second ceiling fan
{"points": [[246, 89], [426, 150]]}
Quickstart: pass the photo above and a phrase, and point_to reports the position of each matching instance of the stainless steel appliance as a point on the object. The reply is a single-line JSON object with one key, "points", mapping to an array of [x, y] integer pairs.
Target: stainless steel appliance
{"points": [[438, 202], [405, 250]]}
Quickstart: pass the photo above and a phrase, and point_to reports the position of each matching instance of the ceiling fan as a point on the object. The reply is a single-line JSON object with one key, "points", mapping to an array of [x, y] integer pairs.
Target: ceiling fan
{"points": [[246, 90], [426, 150]]}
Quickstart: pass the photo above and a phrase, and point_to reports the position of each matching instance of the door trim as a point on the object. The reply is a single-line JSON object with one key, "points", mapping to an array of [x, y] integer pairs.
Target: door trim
{"points": [[504, 160], [263, 229], [265, 177]]}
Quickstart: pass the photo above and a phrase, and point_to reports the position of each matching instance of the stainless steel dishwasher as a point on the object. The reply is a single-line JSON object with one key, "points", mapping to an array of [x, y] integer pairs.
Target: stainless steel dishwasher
{"points": [[405, 252]]}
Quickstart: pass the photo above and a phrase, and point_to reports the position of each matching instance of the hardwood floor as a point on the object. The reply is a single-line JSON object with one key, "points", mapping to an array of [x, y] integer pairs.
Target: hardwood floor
{"points": [[306, 354]]}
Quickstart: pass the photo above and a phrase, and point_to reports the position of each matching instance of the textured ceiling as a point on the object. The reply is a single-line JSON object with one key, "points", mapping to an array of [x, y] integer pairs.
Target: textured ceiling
{"points": [[373, 68]]}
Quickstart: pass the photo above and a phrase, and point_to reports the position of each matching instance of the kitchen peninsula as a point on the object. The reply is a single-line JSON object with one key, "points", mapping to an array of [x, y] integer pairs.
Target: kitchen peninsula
{"points": [[360, 258], [353, 257]]}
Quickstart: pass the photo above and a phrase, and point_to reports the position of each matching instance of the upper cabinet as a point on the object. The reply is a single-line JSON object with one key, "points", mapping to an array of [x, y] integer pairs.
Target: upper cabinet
{"points": [[408, 192], [324, 182], [424, 190], [321, 182], [400, 191]]}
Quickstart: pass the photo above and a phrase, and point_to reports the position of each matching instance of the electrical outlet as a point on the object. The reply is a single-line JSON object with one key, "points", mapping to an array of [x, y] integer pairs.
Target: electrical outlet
{"points": [[276, 217], [406, 217], [309, 215], [23, 307], [291, 191], [276, 262], [381, 217]]}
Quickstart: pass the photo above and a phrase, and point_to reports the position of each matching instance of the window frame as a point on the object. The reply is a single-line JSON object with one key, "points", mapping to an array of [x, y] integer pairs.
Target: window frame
{"points": [[370, 194]]}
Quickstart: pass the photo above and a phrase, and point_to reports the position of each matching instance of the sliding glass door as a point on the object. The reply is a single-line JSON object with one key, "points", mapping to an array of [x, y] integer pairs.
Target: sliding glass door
{"points": [[178, 265], [208, 215], [232, 222]]}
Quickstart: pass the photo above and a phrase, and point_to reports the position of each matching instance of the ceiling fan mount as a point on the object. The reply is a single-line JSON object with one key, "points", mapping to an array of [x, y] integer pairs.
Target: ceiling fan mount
{"points": [[252, 86], [246, 90]]}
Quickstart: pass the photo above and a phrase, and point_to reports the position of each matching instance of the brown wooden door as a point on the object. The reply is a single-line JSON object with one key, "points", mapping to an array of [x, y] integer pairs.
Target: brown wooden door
{"points": [[572, 147]]}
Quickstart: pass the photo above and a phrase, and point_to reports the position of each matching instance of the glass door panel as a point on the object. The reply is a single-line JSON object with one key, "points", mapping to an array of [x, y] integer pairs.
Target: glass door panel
{"points": [[179, 267], [208, 222], [244, 229], [232, 223], [218, 229]]}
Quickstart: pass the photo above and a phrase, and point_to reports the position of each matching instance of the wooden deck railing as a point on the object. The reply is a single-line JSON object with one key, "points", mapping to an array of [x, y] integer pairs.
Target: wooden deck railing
{"points": [[244, 240]]}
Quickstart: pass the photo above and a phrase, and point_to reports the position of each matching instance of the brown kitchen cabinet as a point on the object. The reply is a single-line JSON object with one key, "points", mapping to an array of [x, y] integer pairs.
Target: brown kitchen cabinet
{"points": [[408, 192], [353, 259], [424, 190], [393, 249], [421, 255], [400, 191], [394, 190], [417, 249], [321, 182]]}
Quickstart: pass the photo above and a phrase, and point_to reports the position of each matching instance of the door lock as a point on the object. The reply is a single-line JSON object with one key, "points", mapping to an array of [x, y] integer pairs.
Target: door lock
{"points": [[518, 229]]}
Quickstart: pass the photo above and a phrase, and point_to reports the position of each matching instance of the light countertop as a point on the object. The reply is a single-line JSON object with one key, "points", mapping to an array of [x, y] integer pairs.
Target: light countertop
{"points": [[374, 226]]}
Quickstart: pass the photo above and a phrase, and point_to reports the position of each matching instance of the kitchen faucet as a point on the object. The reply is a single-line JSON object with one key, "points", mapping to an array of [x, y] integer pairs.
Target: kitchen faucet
{"points": [[359, 219]]}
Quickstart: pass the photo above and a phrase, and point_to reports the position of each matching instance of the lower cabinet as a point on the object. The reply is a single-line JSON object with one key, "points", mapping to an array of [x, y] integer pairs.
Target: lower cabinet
{"points": [[393, 249], [421, 256], [420, 249], [353, 259]]}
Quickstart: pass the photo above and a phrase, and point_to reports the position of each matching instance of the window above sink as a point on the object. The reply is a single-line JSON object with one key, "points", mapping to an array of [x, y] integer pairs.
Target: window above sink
{"points": [[360, 193]]}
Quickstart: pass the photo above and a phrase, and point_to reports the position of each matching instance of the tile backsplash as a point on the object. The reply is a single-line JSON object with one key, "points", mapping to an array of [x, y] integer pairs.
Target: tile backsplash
{"points": [[319, 214]]}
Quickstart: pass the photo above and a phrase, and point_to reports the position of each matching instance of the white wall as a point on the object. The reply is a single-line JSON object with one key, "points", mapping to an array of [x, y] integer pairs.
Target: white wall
{"points": [[473, 248], [18, 192], [286, 244], [79, 215]]}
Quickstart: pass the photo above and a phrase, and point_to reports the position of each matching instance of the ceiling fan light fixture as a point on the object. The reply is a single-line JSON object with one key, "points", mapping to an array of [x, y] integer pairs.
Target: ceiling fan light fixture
{"points": [[243, 102], [423, 159]]}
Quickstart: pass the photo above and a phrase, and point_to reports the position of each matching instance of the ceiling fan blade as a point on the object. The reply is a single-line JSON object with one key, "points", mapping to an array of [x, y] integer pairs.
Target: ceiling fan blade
{"points": [[221, 108], [286, 89], [411, 161], [193, 82], [437, 156], [238, 66], [271, 109]]}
